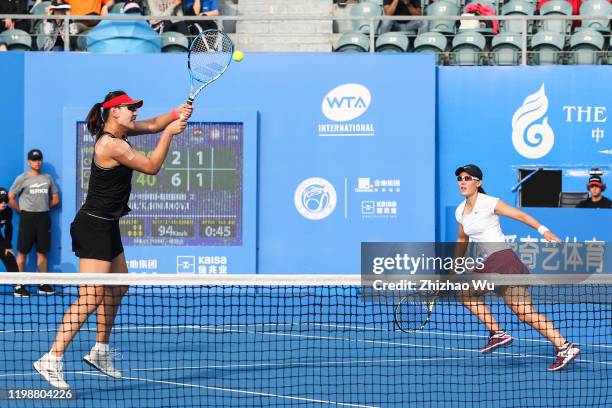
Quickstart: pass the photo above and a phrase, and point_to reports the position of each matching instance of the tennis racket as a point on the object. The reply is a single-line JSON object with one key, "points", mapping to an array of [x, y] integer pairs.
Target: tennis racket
{"points": [[209, 56], [413, 311]]}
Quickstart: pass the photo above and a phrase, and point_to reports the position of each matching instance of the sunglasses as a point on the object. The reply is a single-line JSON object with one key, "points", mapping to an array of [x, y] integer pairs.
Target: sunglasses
{"points": [[4, 200], [467, 178], [129, 107]]}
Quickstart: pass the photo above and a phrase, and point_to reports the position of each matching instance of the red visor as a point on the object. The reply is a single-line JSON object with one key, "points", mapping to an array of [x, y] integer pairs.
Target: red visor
{"points": [[596, 183], [121, 100]]}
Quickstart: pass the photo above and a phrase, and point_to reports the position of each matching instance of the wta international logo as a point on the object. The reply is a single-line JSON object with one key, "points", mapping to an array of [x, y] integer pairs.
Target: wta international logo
{"points": [[315, 198], [342, 106], [346, 102], [530, 138]]}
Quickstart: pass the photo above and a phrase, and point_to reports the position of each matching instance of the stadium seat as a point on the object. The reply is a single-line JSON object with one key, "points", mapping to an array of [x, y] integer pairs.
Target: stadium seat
{"points": [[506, 49], [17, 40], [571, 200], [442, 8], [172, 41], [586, 47], [546, 48], [117, 8], [596, 8], [516, 7], [553, 7], [392, 42], [366, 9], [353, 41], [112, 36], [468, 48], [38, 10], [432, 42]]}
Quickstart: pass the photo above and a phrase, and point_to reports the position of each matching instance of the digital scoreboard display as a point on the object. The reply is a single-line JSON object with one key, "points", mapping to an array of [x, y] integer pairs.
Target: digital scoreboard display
{"points": [[195, 199]]}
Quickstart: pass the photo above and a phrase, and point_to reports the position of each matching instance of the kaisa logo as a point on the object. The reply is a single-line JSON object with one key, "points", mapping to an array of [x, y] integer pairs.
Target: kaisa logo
{"points": [[539, 137], [315, 198], [342, 105]]}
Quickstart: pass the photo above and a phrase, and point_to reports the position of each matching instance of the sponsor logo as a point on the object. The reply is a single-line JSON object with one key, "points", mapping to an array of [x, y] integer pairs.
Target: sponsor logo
{"points": [[185, 264], [342, 105], [315, 198], [532, 136], [346, 102]]}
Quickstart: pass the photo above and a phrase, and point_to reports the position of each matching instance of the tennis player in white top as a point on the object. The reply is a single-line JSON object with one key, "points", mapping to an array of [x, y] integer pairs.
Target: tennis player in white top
{"points": [[478, 218]]}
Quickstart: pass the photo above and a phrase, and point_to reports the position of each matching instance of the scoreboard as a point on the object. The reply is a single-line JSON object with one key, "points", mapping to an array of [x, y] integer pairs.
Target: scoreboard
{"points": [[194, 200]]}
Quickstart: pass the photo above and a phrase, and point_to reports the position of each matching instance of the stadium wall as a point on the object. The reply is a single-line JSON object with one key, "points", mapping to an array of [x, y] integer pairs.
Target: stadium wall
{"points": [[426, 122], [11, 106], [302, 155], [481, 110]]}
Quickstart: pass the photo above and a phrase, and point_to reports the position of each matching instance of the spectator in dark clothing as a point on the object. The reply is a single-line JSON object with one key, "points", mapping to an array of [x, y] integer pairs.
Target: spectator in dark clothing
{"points": [[14, 7], [597, 200], [403, 8]]}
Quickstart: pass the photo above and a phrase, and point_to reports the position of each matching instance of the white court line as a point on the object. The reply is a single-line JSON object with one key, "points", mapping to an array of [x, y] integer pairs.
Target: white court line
{"points": [[229, 327], [261, 394], [298, 363]]}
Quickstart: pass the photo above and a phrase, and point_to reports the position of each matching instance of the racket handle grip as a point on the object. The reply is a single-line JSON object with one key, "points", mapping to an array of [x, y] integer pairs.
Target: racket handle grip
{"points": [[190, 101]]}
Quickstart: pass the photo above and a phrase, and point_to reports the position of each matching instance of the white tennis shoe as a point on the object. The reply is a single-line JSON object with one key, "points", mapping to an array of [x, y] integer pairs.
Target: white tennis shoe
{"points": [[52, 370], [103, 362]]}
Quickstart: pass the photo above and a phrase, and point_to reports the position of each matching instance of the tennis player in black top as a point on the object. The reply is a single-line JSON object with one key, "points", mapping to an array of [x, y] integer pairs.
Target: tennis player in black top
{"points": [[96, 239]]}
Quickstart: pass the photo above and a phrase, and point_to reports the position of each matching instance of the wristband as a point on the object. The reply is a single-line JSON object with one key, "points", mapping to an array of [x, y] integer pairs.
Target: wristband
{"points": [[542, 229], [174, 114]]}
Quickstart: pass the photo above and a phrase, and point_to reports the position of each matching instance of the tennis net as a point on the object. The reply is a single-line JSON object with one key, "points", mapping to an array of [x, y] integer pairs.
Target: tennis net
{"points": [[258, 340]]}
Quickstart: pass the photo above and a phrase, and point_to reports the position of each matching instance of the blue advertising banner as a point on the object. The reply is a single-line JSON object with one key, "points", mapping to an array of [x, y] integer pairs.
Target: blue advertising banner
{"points": [[506, 119]]}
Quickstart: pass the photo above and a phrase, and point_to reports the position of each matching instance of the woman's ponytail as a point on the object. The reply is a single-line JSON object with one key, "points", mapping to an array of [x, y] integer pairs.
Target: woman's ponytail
{"points": [[94, 120]]}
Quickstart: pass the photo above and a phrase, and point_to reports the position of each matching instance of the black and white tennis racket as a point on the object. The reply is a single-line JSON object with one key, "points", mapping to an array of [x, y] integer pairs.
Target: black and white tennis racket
{"points": [[209, 56], [412, 313]]}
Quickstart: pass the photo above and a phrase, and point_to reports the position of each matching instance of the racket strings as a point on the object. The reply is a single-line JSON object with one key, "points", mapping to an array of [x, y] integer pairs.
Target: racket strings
{"points": [[211, 53]]}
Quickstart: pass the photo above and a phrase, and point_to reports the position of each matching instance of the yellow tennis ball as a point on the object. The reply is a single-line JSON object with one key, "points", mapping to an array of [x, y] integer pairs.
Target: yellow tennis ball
{"points": [[238, 56]]}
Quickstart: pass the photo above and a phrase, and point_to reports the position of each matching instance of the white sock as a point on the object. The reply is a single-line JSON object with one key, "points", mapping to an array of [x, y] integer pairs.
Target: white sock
{"points": [[101, 348], [53, 357]]}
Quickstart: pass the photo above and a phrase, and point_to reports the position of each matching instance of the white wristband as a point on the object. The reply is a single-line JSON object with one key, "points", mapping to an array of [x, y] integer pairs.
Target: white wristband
{"points": [[542, 229]]}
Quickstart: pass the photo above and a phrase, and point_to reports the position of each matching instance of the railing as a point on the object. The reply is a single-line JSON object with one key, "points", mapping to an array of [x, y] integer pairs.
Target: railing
{"points": [[372, 20]]}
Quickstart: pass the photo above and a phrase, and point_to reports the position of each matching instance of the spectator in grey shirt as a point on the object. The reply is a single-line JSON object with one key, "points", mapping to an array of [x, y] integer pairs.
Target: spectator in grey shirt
{"points": [[37, 194]]}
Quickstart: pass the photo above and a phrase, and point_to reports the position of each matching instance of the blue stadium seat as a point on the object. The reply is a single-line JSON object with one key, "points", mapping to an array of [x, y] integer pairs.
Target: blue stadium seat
{"points": [[553, 7], [112, 36], [468, 48], [392, 42], [442, 8], [117, 8], [16, 40], [366, 9], [517, 7], [547, 48], [172, 41], [596, 8], [38, 10], [432, 42], [586, 48], [353, 41], [506, 49]]}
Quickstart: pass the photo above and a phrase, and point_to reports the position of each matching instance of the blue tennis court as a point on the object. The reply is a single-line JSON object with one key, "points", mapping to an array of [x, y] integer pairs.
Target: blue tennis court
{"points": [[306, 346]]}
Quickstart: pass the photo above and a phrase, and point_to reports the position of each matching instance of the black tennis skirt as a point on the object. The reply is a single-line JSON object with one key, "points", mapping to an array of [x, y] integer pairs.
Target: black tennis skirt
{"points": [[95, 238]]}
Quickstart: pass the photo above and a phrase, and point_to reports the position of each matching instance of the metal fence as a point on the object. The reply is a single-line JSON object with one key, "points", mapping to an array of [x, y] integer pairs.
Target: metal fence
{"points": [[373, 22]]}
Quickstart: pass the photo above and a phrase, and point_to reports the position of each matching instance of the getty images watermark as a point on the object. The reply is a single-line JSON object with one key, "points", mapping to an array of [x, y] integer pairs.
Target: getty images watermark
{"points": [[392, 267]]}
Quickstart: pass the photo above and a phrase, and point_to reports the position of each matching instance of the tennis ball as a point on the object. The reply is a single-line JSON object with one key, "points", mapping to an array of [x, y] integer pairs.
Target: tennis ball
{"points": [[238, 55]]}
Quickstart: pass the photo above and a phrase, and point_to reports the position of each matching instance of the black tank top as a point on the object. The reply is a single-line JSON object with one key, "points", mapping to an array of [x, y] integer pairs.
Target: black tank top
{"points": [[109, 189]]}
